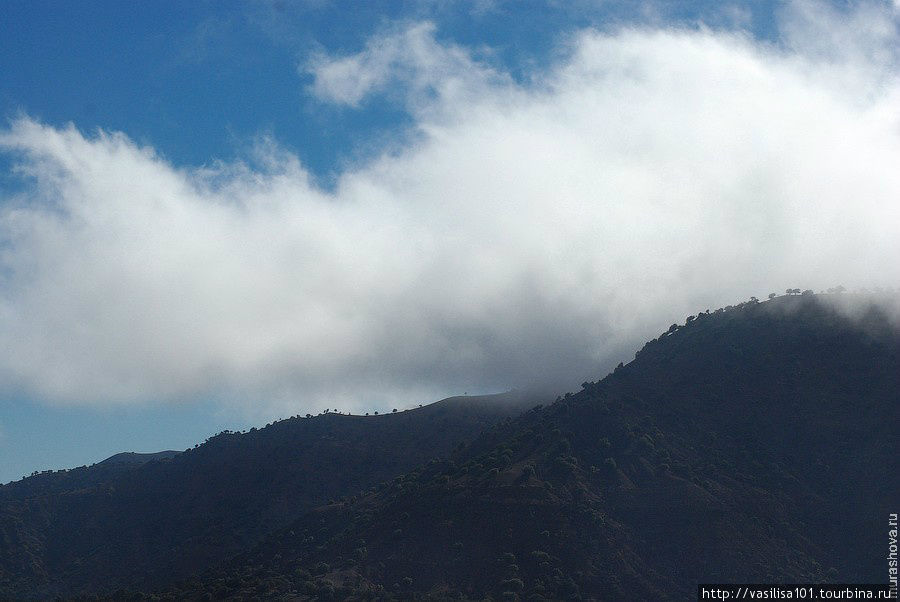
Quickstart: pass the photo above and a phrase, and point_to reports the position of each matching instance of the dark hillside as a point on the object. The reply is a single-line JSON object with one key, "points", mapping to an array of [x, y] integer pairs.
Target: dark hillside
{"points": [[755, 444], [142, 524], [58, 481]]}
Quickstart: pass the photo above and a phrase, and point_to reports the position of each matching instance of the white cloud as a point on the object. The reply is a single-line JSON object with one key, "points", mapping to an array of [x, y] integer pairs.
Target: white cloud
{"points": [[409, 59], [529, 232]]}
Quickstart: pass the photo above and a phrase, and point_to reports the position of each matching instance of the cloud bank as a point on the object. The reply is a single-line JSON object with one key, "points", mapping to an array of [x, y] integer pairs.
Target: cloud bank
{"points": [[521, 233]]}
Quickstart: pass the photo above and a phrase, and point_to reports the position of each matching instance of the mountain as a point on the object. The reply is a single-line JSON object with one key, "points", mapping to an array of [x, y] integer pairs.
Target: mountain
{"points": [[138, 521], [753, 444]]}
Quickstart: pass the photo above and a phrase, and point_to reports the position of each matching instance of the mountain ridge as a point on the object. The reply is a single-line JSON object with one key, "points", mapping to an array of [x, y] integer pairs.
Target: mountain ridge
{"points": [[706, 451], [138, 524], [139, 457], [749, 444]]}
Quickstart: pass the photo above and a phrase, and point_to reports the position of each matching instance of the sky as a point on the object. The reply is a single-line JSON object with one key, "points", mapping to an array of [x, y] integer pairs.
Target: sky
{"points": [[217, 214]]}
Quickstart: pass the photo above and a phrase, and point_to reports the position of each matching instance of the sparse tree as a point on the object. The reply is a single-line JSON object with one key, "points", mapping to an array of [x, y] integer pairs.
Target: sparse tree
{"points": [[772, 296]]}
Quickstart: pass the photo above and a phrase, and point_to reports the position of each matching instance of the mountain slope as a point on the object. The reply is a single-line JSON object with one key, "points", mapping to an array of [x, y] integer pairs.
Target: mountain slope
{"points": [[140, 525], [755, 444]]}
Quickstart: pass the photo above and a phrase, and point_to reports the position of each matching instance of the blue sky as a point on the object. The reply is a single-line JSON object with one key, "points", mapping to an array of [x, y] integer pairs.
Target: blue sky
{"points": [[220, 213], [234, 69]]}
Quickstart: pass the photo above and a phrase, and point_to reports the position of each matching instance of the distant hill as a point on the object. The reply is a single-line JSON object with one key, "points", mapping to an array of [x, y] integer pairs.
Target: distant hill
{"points": [[139, 521], [753, 444], [138, 458]]}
